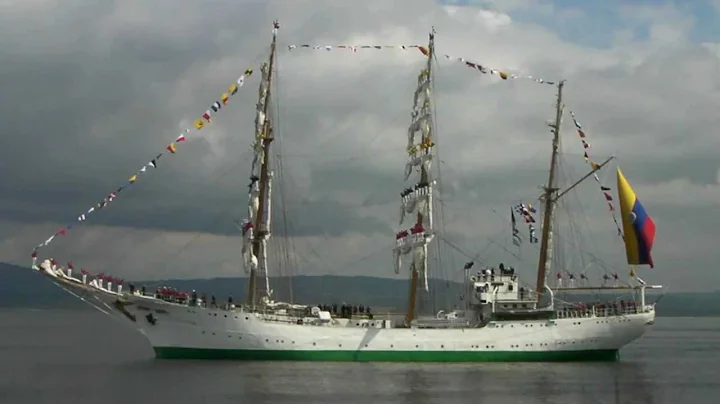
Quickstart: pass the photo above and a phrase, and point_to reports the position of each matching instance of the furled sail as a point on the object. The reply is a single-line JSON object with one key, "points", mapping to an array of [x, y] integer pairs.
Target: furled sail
{"points": [[248, 227], [256, 230], [416, 199]]}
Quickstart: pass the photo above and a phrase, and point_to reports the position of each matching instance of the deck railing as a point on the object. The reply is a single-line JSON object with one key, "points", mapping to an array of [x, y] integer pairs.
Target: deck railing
{"points": [[600, 311]]}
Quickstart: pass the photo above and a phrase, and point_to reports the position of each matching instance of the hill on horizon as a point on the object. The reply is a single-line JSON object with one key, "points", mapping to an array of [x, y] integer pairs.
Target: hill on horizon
{"points": [[22, 287]]}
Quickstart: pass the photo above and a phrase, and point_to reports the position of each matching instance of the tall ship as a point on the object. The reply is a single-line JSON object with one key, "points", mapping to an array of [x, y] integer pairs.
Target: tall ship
{"points": [[499, 318]]}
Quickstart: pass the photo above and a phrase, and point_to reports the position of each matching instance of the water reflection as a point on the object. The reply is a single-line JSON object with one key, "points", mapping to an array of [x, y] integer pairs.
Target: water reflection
{"points": [[674, 363], [518, 383], [416, 383]]}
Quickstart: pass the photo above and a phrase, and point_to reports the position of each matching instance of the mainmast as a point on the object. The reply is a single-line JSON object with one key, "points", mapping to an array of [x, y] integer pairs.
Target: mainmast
{"points": [[550, 198], [417, 199], [256, 229]]}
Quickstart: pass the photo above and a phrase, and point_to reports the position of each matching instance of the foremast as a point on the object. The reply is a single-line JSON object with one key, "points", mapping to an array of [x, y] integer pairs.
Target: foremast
{"points": [[256, 228], [550, 198], [416, 199]]}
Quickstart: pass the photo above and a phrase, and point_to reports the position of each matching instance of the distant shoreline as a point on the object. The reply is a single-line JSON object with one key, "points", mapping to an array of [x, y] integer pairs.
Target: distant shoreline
{"points": [[23, 289]]}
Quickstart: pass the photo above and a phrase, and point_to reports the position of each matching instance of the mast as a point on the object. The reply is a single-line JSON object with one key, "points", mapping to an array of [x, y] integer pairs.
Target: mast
{"points": [[550, 199], [417, 199], [260, 187]]}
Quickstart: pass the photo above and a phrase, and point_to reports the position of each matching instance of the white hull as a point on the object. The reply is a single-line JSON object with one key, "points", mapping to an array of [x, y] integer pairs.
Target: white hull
{"points": [[177, 331]]}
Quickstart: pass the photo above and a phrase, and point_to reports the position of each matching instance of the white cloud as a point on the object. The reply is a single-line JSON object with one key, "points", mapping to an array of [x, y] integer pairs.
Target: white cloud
{"points": [[683, 192], [489, 20]]}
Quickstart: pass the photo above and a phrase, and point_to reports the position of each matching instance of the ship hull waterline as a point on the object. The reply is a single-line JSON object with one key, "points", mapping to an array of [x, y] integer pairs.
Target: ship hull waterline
{"points": [[607, 355], [183, 332]]}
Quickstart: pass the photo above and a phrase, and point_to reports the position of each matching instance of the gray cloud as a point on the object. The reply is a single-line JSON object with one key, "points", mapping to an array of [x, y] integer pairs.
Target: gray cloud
{"points": [[92, 92]]}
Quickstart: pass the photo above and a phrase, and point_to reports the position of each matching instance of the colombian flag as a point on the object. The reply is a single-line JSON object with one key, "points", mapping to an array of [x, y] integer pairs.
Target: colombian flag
{"points": [[638, 226]]}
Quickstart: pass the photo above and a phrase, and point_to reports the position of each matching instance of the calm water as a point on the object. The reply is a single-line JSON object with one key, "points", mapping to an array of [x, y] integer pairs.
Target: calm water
{"points": [[85, 357]]}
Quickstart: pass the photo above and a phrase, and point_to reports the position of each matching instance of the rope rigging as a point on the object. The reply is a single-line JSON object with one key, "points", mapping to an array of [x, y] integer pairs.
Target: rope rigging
{"points": [[287, 254]]}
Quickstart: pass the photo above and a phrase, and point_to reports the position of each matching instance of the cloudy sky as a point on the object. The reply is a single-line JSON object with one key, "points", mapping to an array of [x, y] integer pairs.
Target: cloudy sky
{"points": [[91, 91]]}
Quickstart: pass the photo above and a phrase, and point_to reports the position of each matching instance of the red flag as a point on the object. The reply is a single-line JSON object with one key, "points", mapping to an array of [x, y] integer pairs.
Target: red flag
{"points": [[70, 265], [34, 254]]}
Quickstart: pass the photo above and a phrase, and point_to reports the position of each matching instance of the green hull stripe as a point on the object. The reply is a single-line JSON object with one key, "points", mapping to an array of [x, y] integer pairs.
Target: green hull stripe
{"points": [[388, 356]]}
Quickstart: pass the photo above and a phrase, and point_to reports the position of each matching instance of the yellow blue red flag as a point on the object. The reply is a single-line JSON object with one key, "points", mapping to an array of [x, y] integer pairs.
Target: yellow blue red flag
{"points": [[638, 226]]}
